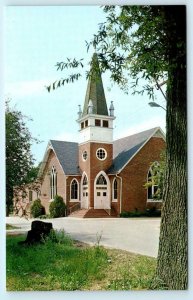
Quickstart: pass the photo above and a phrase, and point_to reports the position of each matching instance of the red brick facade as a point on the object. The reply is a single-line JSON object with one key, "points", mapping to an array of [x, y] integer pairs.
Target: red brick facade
{"points": [[134, 176], [61, 181], [92, 166], [131, 194]]}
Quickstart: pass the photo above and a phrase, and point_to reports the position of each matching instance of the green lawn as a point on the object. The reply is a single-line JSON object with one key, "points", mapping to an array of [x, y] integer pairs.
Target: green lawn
{"points": [[9, 227], [69, 265]]}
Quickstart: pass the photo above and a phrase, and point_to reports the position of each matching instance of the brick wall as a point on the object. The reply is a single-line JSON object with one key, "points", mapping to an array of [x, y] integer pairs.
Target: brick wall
{"points": [[92, 166], [61, 181], [135, 175]]}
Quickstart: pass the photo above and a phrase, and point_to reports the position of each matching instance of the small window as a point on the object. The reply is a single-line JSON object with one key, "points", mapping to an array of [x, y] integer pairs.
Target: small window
{"points": [[53, 183], [98, 194], [115, 190], [83, 194], [97, 122], [84, 155], [85, 180], [104, 194], [86, 123], [82, 125], [105, 123], [86, 194], [101, 154]]}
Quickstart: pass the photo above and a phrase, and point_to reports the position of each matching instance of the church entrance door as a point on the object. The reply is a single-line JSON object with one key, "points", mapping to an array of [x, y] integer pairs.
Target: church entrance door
{"points": [[102, 195], [84, 200]]}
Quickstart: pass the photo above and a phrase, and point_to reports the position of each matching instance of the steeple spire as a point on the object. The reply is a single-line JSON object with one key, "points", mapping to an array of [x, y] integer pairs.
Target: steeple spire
{"points": [[95, 91]]}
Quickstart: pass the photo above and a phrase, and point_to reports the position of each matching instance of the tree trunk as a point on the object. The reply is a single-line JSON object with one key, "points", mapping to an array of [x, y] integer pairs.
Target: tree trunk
{"points": [[172, 265]]}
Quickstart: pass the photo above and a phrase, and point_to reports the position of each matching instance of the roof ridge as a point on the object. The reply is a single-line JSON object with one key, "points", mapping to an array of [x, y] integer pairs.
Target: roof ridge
{"points": [[153, 129], [63, 141]]}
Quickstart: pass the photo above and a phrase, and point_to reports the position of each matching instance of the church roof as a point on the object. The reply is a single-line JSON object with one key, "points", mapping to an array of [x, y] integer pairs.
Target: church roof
{"points": [[67, 154], [95, 91], [124, 149]]}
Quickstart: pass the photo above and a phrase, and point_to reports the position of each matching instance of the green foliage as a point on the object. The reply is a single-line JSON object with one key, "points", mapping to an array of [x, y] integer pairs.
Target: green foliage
{"points": [[57, 207], [152, 212], [71, 63], [61, 264], [10, 227], [47, 216], [53, 265], [37, 209], [32, 174], [137, 273], [157, 176], [19, 160]]}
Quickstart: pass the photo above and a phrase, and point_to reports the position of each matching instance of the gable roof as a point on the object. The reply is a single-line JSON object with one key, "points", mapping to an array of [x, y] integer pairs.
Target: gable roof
{"points": [[126, 148], [67, 155], [123, 151]]}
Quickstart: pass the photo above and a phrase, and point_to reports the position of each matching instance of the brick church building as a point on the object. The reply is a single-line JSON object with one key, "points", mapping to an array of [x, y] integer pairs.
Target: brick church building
{"points": [[99, 176]]}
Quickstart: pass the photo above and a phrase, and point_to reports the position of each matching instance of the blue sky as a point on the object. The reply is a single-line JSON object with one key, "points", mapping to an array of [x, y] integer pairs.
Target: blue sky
{"points": [[36, 38]]}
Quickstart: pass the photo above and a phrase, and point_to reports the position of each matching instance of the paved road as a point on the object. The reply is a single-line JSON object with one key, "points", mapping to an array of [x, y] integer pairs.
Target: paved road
{"points": [[138, 235]]}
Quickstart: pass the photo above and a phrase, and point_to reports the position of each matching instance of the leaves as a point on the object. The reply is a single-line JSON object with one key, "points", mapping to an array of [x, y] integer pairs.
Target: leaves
{"points": [[19, 160], [70, 79]]}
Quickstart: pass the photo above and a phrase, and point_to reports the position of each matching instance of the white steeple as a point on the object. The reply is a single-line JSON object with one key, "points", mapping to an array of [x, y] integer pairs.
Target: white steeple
{"points": [[96, 124]]}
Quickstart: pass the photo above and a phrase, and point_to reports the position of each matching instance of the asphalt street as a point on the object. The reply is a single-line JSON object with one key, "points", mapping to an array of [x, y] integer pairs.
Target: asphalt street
{"points": [[138, 235]]}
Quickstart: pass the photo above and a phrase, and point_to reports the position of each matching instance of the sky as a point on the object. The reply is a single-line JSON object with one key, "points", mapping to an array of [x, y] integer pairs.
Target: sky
{"points": [[36, 38]]}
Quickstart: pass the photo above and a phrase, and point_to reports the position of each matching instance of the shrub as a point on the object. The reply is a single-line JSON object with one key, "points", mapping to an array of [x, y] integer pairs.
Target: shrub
{"points": [[152, 212], [131, 214], [57, 207], [37, 209]]}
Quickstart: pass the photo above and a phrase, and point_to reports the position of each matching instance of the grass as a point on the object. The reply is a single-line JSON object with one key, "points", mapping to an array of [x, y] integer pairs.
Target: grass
{"points": [[9, 227], [69, 265]]}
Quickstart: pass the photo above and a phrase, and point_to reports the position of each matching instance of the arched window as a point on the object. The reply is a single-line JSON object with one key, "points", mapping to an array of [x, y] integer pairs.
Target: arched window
{"points": [[101, 180], [85, 180], [102, 191], [53, 183], [74, 190], [115, 193], [154, 190], [85, 186]]}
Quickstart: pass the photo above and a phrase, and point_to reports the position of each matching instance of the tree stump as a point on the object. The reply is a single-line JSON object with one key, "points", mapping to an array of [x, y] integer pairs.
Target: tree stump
{"points": [[39, 230]]}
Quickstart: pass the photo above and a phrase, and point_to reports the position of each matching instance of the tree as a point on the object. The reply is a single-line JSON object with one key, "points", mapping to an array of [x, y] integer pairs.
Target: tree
{"points": [[20, 168], [149, 42]]}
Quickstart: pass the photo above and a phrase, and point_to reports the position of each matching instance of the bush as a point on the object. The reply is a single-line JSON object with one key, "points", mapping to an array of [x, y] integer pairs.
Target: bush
{"points": [[44, 217], [37, 209], [57, 207], [152, 212], [131, 214]]}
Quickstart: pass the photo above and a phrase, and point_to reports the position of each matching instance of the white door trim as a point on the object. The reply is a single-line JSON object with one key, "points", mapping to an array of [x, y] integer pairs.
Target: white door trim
{"points": [[105, 201]]}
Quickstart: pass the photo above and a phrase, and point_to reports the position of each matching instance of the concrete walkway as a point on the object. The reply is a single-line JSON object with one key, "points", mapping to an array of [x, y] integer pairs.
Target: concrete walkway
{"points": [[138, 235]]}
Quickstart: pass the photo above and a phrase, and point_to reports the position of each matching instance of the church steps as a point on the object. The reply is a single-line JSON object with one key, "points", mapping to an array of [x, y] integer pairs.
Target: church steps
{"points": [[92, 213]]}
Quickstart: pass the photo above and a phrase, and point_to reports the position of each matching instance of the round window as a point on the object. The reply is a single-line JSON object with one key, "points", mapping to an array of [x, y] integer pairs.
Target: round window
{"points": [[84, 155], [101, 154]]}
